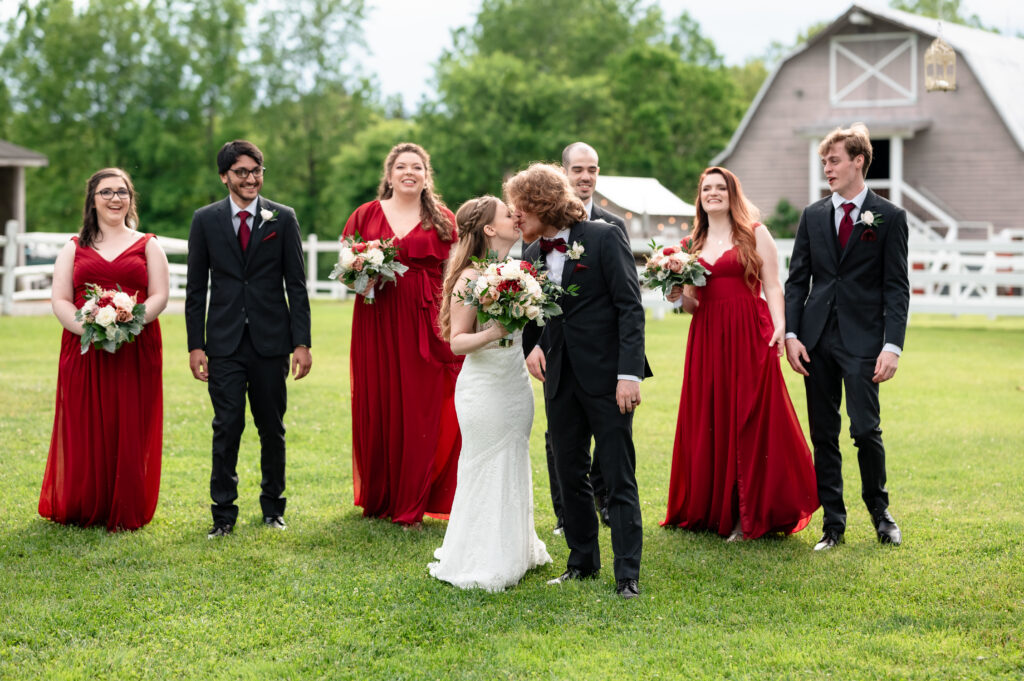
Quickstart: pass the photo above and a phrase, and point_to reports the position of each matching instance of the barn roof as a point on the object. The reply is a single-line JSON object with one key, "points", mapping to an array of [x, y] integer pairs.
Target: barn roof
{"points": [[642, 195], [13, 155], [996, 60]]}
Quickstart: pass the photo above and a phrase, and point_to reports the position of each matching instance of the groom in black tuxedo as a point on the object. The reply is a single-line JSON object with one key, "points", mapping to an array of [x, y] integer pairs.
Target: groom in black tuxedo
{"points": [[246, 252], [591, 360], [846, 315], [580, 165]]}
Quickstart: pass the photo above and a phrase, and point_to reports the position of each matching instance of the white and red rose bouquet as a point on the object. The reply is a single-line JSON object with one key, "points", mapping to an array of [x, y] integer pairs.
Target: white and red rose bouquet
{"points": [[670, 266], [360, 261], [512, 293], [111, 318]]}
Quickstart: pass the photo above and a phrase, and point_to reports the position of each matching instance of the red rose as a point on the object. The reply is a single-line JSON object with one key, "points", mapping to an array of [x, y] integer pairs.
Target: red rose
{"points": [[359, 247], [106, 300], [509, 285], [669, 250], [528, 268]]}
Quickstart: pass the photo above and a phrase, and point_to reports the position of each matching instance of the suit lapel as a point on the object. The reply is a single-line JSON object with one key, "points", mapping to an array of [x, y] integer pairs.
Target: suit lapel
{"points": [[255, 239], [227, 228], [569, 266], [858, 227]]}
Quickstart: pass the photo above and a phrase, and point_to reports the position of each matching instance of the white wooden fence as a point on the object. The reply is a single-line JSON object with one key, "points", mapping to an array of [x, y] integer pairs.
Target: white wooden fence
{"points": [[958, 277]]}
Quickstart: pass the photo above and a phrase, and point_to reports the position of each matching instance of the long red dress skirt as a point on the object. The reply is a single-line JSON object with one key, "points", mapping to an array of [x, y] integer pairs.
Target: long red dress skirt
{"points": [[739, 449], [405, 435], [104, 462]]}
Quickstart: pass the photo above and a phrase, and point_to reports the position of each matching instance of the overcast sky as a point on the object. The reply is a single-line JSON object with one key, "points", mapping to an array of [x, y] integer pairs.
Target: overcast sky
{"points": [[405, 37]]}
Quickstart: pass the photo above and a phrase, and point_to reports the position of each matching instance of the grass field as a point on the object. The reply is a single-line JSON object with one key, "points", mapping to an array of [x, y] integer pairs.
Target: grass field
{"points": [[340, 597]]}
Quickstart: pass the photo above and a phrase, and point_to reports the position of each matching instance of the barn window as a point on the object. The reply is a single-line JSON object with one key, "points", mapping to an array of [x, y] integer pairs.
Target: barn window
{"points": [[878, 69]]}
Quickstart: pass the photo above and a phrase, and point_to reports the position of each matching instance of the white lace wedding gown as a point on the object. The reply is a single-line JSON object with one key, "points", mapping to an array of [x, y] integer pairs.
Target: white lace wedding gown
{"points": [[491, 541]]}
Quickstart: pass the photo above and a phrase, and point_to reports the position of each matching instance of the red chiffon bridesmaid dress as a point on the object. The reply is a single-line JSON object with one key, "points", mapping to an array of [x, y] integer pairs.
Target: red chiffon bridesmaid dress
{"points": [[405, 435], [105, 452], [739, 450]]}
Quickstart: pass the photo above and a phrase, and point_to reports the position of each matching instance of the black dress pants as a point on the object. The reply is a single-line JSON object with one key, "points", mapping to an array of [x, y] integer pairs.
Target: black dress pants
{"points": [[573, 418], [264, 380], [831, 369]]}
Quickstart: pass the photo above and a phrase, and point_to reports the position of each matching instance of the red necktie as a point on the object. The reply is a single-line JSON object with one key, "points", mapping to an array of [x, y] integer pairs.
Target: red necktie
{"points": [[846, 225], [548, 245], [243, 229]]}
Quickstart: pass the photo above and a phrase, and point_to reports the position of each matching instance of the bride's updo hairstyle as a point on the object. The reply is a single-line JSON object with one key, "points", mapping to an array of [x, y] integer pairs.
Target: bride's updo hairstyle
{"points": [[544, 190], [471, 219]]}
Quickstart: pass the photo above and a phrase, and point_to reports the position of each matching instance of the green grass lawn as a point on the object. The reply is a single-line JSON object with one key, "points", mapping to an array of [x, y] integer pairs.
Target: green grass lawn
{"points": [[339, 597]]}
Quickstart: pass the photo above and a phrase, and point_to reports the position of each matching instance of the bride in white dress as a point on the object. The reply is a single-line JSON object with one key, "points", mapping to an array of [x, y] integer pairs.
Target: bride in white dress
{"points": [[490, 542]]}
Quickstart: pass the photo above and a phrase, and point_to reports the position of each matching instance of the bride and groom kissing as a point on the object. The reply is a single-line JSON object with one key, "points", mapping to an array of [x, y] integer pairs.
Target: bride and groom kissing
{"points": [[590, 360]]}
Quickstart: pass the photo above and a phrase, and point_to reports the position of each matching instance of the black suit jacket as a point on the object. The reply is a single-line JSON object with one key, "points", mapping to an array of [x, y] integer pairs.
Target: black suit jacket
{"points": [[603, 326], [867, 283], [598, 213], [249, 285]]}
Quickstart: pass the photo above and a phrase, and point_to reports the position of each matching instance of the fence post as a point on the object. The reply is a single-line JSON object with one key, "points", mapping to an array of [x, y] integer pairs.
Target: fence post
{"points": [[10, 262], [311, 273]]}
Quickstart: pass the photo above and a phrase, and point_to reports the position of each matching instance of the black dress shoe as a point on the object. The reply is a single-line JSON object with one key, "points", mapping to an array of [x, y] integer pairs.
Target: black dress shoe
{"points": [[887, 529], [219, 530], [559, 527], [573, 574], [274, 521], [627, 588], [829, 540]]}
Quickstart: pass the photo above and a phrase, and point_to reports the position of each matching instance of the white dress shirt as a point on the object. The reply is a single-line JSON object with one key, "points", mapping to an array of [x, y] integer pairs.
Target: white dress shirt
{"points": [[235, 210]]}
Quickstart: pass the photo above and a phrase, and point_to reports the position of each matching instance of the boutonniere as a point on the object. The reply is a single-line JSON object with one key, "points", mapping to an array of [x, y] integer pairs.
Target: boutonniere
{"points": [[870, 221], [575, 251], [268, 215]]}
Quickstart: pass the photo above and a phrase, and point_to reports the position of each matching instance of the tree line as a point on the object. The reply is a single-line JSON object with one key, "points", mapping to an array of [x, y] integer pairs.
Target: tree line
{"points": [[157, 86]]}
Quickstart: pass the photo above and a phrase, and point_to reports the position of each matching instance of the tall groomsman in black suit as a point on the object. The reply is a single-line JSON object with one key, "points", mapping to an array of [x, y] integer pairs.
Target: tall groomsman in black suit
{"points": [[591, 360], [246, 252], [580, 164], [846, 315]]}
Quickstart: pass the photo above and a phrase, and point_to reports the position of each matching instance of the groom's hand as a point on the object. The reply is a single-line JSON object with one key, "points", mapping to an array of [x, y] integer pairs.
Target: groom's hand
{"points": [[536, 364], [796, 353], [302, 360], [199, 365], [627, 395]]}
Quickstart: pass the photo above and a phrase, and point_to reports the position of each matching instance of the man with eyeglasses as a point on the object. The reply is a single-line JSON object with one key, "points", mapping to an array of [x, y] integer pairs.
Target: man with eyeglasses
{"points": [[245, 253]]}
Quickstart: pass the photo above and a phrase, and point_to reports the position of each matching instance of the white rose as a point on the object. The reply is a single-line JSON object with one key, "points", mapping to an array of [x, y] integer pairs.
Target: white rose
{"points": [[346, 257], [123, 301], [266, 214], [106, 316], [868, 218], [532, 311], [89, 309], [375, 257], [494, 309]]}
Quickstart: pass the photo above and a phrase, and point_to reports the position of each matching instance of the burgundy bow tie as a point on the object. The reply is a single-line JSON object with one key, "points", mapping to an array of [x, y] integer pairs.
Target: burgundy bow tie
{"points": [[548, 245]]}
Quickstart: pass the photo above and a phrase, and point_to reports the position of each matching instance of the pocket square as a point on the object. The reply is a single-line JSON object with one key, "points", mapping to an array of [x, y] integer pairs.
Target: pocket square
{"points": [[580, 266], [869, 235], [272, 235]]}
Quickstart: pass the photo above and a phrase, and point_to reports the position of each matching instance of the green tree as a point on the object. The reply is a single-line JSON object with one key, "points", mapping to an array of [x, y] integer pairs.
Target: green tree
{"points": [[670, 117]]}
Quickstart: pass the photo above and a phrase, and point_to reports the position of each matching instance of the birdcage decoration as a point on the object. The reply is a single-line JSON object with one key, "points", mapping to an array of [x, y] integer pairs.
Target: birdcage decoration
{"points": [[939, 67]]}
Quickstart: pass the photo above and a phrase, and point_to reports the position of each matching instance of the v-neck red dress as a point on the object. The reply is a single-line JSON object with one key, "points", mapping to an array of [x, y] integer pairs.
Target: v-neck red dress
{"points": [[405, 435], [105, 452], [739, 453]]}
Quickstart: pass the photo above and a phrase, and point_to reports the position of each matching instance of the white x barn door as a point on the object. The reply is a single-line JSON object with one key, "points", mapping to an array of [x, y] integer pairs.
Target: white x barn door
{"points": [[878, 69]]}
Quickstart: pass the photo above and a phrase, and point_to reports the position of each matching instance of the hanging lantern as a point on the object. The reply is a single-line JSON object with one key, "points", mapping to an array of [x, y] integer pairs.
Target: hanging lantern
{"points": [[939, 67]]}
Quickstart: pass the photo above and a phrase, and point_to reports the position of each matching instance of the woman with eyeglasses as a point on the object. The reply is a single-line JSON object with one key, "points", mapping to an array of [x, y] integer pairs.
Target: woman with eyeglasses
{"points": [[104, 462], [405, 435]]}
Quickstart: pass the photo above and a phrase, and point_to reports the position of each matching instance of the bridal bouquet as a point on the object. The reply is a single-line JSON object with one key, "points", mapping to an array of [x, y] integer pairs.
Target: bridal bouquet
{"points": [[512, 293], [111, 318], [359, 261], [670, 266]]}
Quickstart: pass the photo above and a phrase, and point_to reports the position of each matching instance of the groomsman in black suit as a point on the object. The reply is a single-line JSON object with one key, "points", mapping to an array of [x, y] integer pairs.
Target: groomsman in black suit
{"points": [[245, 253], [846, 315], [580, 164], [591, 360]]}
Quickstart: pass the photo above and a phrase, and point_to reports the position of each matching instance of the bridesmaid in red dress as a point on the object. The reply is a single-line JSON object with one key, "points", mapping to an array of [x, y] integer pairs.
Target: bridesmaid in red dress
{"points": [[104, 462], [740, 466], [405, 436]]}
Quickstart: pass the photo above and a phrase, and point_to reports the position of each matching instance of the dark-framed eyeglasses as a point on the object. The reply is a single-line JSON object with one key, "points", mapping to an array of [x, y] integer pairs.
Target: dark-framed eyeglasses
{"points": [[108, 194], [243, 173]]}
